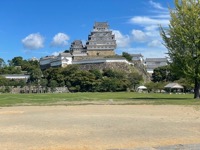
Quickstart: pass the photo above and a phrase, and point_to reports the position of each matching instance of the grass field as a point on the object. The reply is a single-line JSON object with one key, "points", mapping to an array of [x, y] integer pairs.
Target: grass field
{"points": [[95, 98]]}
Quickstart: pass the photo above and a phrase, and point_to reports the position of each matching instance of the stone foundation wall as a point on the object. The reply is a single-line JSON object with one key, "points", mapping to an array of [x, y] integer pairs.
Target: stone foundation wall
{"points": [[35, 89], [100, 52], [124, 67]]}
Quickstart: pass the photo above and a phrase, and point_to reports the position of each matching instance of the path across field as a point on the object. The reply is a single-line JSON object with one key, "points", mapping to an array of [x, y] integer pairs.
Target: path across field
{"points": [[98, 127]]}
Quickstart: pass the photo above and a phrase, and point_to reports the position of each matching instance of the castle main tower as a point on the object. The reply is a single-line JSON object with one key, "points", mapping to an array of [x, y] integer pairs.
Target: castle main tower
{"points": [[101, 41]]}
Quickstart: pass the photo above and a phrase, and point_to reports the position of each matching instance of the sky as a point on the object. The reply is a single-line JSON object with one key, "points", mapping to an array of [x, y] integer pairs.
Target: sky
{"points": [[39, 28]]}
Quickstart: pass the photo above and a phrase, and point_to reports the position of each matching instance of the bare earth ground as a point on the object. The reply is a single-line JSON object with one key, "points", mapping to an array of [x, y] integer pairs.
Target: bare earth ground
{"points": [[97, 127]]}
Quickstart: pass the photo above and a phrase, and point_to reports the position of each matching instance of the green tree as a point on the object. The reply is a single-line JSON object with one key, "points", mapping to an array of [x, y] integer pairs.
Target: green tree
{"points": [[3, 81], [7, 89], [113, 73], [43, 82], [30, 65], [10, 70], [21, 83], [53, 84], [182, 39], [83, 81], [16, 61], [35, 76], [155, 87], [134, 80], [127, 56], [164, 74], [188, 86], [66, 51], [109, 85], [97, 73], [69, 70], [2, 63]]}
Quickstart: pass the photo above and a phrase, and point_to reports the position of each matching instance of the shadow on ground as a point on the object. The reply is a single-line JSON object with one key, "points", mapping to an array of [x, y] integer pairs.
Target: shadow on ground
{"points": [[153, 98], [171, 147]]}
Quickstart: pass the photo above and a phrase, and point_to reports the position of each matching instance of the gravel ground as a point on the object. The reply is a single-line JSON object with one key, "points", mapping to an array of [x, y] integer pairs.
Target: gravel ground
{"points": [[98, 127]]}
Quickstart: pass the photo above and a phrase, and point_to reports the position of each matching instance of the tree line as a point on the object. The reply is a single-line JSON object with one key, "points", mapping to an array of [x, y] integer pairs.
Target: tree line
{"points": [[163, 75], [76, 80]]}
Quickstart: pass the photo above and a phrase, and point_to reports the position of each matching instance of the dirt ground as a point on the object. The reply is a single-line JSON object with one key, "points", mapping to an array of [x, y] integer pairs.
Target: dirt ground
{"points": [[97, 127]]}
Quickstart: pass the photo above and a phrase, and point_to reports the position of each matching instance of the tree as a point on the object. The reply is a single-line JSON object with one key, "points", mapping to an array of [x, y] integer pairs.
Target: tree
{"points": [[35, 75], [10, 70], [43, 82], [3, 81], [53, 84], [155, 87], [16, 61], [66, 51], [134, 79], [83, 81], [21, 83], [188, 87], [127, 56], [109, 85], [163, 74], [2, 63], [97, 73], [113, 73], [182, 39]]}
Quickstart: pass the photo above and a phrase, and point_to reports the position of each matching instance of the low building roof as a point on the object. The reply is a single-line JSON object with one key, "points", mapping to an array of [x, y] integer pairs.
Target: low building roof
{"points": [[174, 86], [156, 59], [65, 54]]}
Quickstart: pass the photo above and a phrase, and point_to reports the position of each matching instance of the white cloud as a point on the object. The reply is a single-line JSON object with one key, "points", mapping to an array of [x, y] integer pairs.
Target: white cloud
{"points": [[148, 52], [56, 53], [145, 36], [144, 20], [139, 35], [155, 43], [153, 34], [164, 15], [156, 5], [122, 40], [33, 41], [60, 39], [151, 28]]}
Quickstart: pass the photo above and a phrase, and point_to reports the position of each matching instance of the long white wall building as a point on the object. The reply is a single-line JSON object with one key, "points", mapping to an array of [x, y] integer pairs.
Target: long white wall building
{"points": [[62, 60]]}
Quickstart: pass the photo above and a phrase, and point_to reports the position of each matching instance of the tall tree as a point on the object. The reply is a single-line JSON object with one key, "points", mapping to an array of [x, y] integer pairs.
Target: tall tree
{"points": [[164, 74], [182, 39], [16, 61], [2, 63], [35, 75], [134, 79]]}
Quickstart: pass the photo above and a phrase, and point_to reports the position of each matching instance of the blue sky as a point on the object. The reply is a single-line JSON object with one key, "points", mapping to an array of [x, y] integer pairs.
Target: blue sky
{"points": [[37, 28]]}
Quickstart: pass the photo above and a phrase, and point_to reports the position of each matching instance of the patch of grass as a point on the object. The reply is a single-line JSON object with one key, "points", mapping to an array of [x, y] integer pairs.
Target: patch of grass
{"points": [[115, 97]]}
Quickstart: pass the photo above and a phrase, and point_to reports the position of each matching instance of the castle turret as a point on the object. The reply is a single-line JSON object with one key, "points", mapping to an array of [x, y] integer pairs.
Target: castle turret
{"points": [[77, 47]]}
